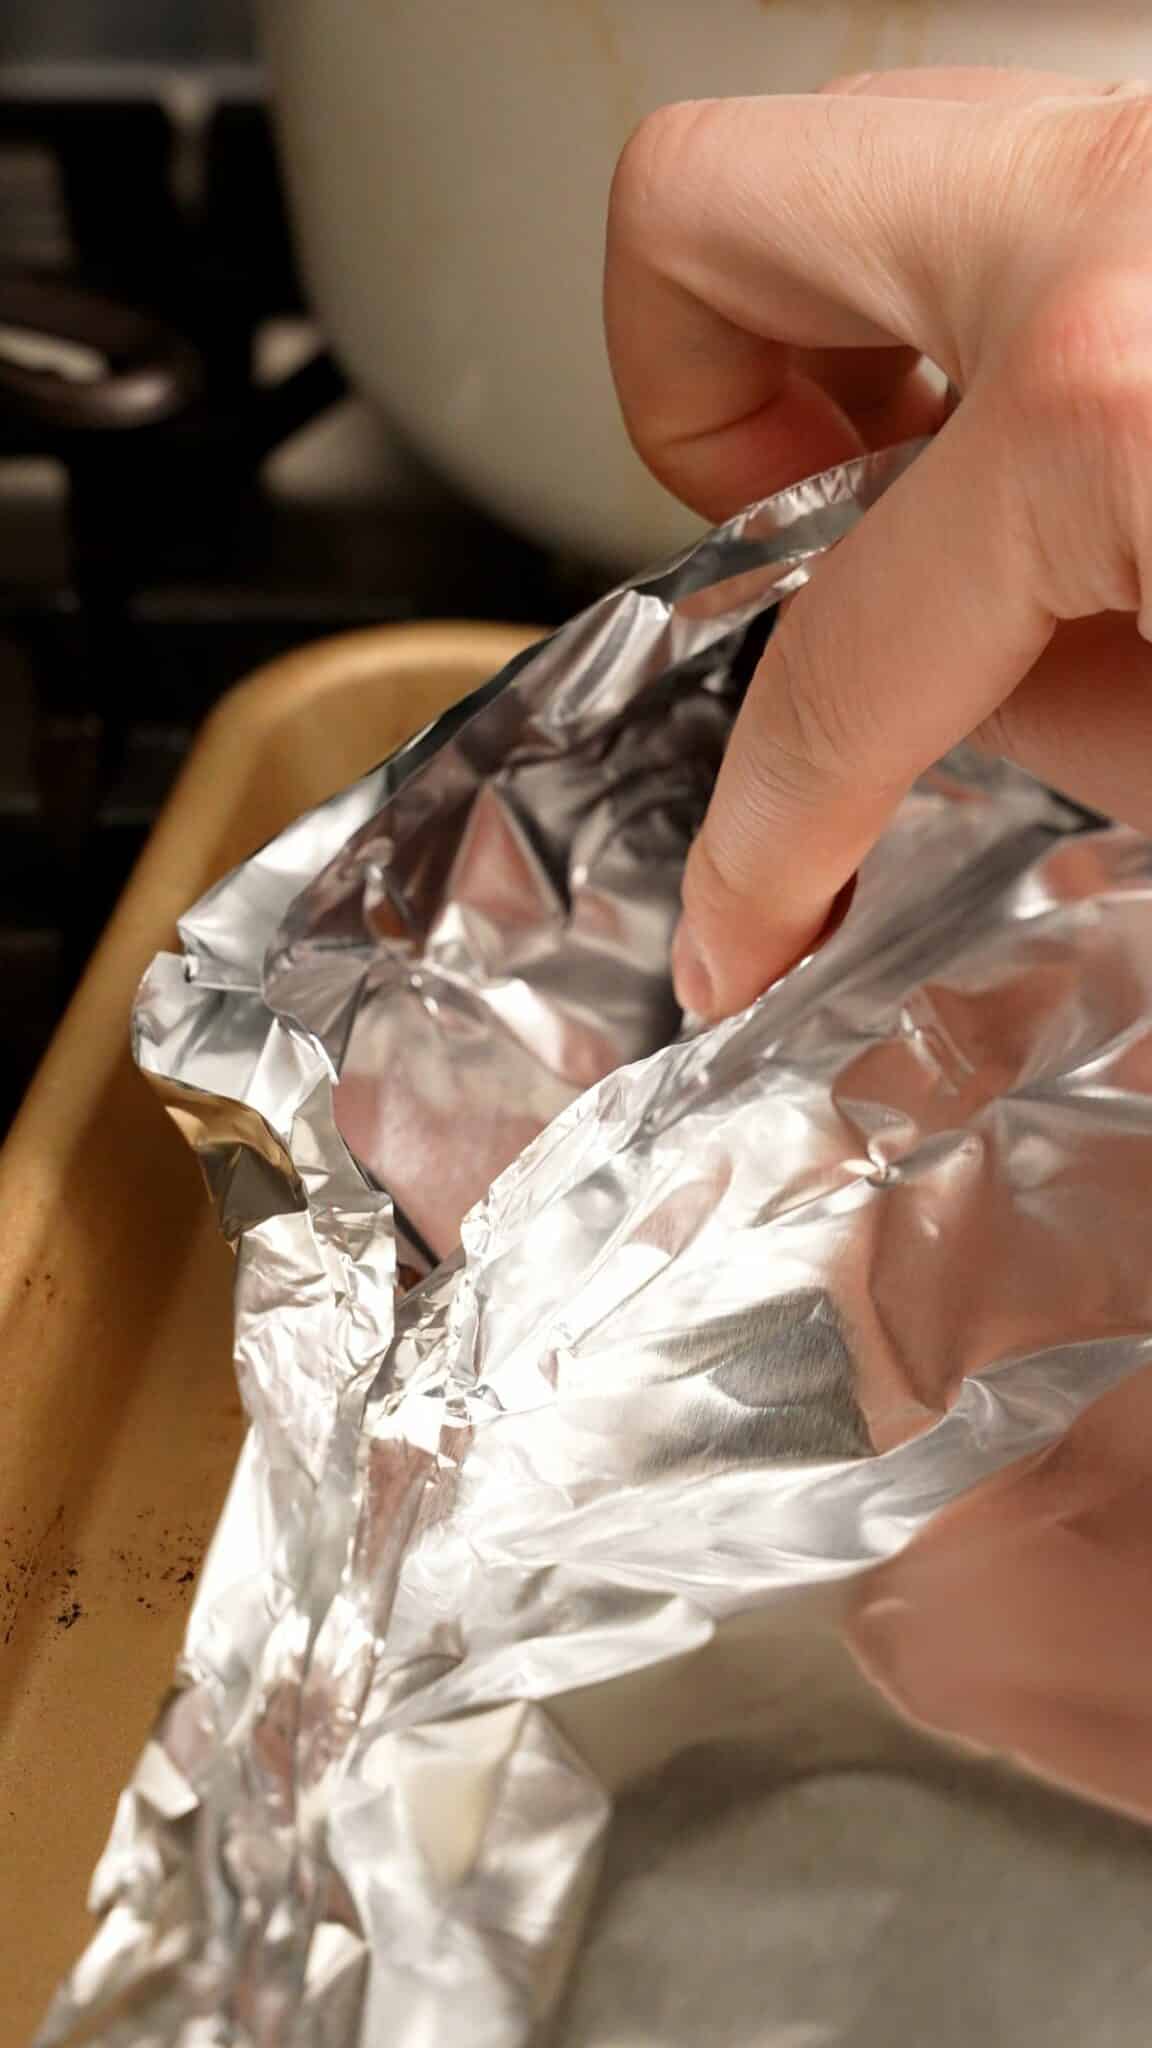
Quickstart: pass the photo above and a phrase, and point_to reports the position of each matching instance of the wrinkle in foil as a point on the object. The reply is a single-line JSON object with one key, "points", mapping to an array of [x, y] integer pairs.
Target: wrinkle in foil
{"points": [[634, 1632]]}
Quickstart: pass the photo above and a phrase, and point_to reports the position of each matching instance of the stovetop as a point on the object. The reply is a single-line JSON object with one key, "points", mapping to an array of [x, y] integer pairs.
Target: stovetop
{"points": [[345, 526]]}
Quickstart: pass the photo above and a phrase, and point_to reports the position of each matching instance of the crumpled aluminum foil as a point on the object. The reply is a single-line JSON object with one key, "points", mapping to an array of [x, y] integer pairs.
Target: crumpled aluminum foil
{"points": [[647, 1631]]}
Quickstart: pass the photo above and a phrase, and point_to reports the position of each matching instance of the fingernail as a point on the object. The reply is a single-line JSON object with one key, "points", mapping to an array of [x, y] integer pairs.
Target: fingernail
{"points": [[690, 977]]}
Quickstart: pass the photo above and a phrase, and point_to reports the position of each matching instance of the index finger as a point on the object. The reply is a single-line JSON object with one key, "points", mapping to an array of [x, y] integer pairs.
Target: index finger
{"points": [[701, 330], [722, 319]]}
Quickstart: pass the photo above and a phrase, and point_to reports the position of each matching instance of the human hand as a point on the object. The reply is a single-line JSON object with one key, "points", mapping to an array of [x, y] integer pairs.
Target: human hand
{"points": [[777, 271]]}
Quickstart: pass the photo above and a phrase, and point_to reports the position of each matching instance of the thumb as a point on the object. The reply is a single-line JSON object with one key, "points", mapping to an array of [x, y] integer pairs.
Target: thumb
{"points": [[909, 636]]}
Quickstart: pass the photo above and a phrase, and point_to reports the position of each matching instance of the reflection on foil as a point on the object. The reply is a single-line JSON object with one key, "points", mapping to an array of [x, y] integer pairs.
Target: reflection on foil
{"points": [[631, 1634]]}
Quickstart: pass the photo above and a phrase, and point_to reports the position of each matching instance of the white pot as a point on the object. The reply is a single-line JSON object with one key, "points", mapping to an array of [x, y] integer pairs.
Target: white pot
{"points": [[449, 163]]}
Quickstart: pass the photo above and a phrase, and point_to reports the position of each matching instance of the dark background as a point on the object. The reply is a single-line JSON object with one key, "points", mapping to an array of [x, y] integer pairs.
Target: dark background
{"points": [[144, 571]]}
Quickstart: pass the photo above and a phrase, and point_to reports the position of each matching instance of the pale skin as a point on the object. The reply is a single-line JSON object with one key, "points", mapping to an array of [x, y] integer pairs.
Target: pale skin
{"points": [[777, 269]]}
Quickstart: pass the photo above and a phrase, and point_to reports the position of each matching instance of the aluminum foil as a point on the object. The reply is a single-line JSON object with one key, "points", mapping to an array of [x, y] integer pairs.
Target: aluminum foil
{"points": [[707, 1608]]}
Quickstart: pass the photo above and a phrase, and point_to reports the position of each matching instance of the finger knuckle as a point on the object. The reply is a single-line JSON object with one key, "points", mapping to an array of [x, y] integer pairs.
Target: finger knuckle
{"points": [[716, 878], [788, 759], [810, 734], [1116, 148], [1079, 391], [1085, 355], [650, 168], [755, 810]]}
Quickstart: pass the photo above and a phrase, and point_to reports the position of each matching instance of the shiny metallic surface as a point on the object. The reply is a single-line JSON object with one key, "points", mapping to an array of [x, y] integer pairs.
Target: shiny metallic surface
{"points": [[629, 1637]]}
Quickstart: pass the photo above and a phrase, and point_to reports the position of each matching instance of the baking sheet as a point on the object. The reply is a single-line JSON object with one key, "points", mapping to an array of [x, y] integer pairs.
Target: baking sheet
{"points": [[122, 1417]]}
